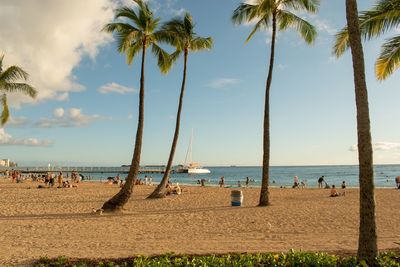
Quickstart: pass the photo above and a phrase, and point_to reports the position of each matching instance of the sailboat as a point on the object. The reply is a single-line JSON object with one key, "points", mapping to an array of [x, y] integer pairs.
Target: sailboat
{"points": [[191, 167]]}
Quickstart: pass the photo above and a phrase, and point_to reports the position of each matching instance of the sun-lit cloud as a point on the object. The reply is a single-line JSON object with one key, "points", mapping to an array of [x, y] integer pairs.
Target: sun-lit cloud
{"points": [[380, 146], [223, 83], [17, 122], [7, 140], [49, 39], [116, 88], [73, 117]]}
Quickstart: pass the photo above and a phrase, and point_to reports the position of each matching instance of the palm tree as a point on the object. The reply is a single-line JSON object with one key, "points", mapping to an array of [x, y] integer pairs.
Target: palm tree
{"points": [[9, 84], [276, 15], [179, 33], [132, 39], [367, 241], [384, 16]]}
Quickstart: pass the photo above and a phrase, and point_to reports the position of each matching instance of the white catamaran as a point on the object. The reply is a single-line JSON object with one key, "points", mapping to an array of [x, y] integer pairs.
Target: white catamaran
{"points": [[191, 167]]}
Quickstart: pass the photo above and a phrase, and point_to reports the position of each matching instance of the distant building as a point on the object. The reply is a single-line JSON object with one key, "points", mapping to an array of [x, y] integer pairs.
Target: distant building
{"points": [[7, 163]]}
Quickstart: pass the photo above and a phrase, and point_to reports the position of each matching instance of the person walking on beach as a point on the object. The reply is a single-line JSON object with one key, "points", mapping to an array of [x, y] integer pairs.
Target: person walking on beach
{"points": [[296, 182], [247, 181], [344, 188], [321, 181]]}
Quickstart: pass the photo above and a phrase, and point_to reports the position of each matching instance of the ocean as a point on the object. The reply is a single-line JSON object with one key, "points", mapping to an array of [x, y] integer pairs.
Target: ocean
{"points": [[279, 176]]}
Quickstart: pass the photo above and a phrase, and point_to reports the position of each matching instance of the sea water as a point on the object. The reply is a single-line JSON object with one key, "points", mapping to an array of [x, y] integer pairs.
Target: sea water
{"points": [[384, 175]]}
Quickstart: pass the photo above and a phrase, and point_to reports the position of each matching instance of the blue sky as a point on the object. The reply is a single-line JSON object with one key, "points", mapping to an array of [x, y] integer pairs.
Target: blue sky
{"points": [[86, 112]]}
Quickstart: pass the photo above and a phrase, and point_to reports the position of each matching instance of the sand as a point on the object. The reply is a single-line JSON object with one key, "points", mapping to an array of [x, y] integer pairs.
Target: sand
{"points": [[53, 222]]}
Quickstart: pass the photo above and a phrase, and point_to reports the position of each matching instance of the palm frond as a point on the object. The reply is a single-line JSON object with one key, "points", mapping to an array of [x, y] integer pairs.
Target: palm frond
{"points": [[199, 43], [287, 19], [256, 28], [13, 73], [23, 88], [245, 13], [132, 51], [389, 59], [342, 42], [163, 59], [310, 6], [129, 13], [1, 63], [5, 114], [377, 22]]}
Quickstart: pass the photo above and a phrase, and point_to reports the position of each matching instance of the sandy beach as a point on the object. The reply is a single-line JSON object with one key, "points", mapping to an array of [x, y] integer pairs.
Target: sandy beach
{"points": [[53, 222]]}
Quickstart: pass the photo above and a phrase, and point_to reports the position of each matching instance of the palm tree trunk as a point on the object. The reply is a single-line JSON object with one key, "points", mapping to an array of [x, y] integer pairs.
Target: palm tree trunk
{"points": [[160, 191], [117, 202], [367, 241], [264, 195]]}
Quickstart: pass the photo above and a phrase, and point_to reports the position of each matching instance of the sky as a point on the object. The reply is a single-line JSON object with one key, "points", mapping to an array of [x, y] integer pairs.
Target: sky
{"points": [[87, 107]]}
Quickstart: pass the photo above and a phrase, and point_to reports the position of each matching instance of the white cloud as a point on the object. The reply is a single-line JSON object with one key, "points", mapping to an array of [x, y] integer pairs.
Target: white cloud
{"points": [[73, 118], [17, 122], [323, 26], [58, 112], [49, 38], [380, 146], [223, 83], [7, 139], [116, 88]]}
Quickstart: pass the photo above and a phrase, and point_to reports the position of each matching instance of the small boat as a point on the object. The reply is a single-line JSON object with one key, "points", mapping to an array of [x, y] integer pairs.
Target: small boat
{"points": [[191, 167]]}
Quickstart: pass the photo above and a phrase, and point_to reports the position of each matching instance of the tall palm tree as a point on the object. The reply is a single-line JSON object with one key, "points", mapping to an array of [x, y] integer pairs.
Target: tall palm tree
{"points": [[132, 39], [179, 33], [383, 17], [9, 84], [274, 15], [367, 241]]}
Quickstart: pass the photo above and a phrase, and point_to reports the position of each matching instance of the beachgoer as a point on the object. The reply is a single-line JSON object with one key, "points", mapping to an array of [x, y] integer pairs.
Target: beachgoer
{"points": [[247, 181], [239, 184], [320, 181], [60, 180], [203, 182], [334, 192], [344, 188], [221, 181], [296, 182], [398, 182]]}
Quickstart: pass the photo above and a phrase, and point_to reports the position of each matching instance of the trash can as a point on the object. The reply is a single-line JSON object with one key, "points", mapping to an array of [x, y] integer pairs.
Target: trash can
{"points": [[236, 198]]}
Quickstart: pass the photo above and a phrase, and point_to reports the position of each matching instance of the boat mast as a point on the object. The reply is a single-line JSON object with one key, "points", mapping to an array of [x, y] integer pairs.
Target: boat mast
{"points": [[189, 151]]}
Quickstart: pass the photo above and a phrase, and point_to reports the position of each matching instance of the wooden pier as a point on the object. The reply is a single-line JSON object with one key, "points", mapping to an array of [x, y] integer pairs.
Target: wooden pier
{"points": [[111, 170]]}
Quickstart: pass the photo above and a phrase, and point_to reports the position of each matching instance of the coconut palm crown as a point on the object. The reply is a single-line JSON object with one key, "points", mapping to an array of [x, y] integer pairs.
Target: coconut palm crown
{"points": [[275, 15], [9, 84], [383, 17], [139, 34], [180, 34]]}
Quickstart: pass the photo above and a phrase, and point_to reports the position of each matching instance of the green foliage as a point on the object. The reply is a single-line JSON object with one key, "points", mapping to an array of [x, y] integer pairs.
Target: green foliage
{"points": [[383, 17], [292, 258]]}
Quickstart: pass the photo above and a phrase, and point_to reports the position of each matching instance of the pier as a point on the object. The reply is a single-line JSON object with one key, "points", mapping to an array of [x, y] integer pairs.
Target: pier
{"points": [[121, 170]]}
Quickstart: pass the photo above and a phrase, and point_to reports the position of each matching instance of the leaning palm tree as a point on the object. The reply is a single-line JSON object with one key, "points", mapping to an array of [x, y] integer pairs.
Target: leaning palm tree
{"points": [[383, 17], [367, 241], [274, 15], [9, 84], [132, 39], [179, 33]]}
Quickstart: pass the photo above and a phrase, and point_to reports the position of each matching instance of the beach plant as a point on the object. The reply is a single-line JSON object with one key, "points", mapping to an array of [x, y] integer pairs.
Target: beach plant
{"points": [[136, 31], [274, 15], [179, 33], [383, 17], [9, 84], [367, 241], [292, 258]]}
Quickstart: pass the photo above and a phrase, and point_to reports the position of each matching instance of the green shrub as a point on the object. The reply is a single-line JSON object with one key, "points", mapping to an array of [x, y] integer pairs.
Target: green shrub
{"points": [[292, 258]]}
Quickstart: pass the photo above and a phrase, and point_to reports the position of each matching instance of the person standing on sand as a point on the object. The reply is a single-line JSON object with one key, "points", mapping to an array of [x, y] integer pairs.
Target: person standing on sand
{"points": [[397, 182], [60, 180], [247, 181], [320, 181], [221, 181]]}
